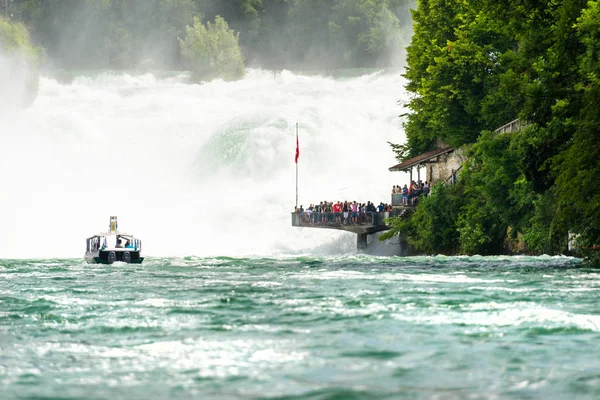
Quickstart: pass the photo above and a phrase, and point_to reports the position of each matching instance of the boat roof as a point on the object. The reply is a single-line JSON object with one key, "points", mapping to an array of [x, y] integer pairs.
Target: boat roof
{"points": [[122, 234]]}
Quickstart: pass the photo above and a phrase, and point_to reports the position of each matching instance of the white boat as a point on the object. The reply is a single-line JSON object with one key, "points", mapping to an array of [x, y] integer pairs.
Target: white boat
{"points": [[113, 246]]}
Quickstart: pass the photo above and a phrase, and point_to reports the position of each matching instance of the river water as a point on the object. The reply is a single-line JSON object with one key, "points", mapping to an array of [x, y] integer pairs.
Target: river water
{"points": [[352, 327]]}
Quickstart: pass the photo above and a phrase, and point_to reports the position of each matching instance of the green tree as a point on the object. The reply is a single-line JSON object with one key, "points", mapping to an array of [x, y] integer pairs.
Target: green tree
{"points": [[384, 39], [475, 66], [432, 228], [577, 168], [458, 53], [19, 65], [212, 51], [497, 198], [296, 34]]}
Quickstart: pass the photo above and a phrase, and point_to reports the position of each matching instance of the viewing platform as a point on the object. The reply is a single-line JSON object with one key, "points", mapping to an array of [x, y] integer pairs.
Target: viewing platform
{"points": [[366, 222]]}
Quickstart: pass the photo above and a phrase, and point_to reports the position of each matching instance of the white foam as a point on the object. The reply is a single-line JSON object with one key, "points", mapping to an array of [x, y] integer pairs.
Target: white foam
{"points": [[194, 169], [502, 316]]}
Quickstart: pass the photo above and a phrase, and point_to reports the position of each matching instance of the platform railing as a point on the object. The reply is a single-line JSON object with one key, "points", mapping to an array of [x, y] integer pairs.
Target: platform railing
{"points": [[397, 199], [411, 199], [368, 218], [512, 126]]}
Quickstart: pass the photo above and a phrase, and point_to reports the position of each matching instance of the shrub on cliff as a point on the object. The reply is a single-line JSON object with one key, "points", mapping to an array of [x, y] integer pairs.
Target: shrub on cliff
{"points": [[19, 65], [212, 51]]}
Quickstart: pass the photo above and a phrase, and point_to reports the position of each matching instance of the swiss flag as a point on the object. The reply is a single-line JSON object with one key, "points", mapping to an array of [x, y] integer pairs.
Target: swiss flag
{"points": [[297, 149]]}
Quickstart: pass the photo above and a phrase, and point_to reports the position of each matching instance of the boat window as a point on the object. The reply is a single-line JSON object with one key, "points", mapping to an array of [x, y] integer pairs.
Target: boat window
{"points": [[111, 241]]}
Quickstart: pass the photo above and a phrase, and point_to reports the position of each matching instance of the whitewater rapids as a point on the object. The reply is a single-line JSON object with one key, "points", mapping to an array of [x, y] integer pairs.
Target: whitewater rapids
{"points": [[202, 170]]}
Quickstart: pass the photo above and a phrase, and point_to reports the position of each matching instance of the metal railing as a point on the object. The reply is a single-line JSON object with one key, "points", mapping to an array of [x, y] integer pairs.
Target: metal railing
{"points": [[368, 218], [453, 177], [397, 199], [513, 126], [410, 200]]}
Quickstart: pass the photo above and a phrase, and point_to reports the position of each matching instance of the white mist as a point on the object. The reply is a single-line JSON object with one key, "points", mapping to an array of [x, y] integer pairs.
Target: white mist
{"points": [[194, 169]]}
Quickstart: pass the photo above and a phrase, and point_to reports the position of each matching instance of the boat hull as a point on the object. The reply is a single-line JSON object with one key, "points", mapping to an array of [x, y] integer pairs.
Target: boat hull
{"points": [[112, 256]]}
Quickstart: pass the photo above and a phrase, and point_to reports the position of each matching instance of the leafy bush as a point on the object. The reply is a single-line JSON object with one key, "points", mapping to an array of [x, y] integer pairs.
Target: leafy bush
{"points": [[544, 233], [432, 228], [212, 51]]}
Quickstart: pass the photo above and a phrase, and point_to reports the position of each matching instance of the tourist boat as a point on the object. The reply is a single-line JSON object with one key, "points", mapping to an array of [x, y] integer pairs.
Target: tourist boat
{"points": [[113, 246]]}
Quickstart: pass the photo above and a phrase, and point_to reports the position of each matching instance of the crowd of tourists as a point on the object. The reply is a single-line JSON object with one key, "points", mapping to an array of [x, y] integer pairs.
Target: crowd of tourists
{"points": [[343, 213], [411, 193], [354, 213]]}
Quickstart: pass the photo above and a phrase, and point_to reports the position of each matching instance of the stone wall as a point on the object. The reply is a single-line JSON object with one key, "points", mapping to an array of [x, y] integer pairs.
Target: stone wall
{"points": [[441, 170]]}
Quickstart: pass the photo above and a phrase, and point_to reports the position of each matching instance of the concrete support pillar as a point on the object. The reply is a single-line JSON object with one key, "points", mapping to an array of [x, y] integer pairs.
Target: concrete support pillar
{"points": [[405, 249], [361, 241]]}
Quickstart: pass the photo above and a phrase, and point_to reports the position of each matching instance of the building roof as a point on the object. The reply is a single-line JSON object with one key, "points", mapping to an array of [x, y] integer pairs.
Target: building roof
{"points": [[421, 159]]}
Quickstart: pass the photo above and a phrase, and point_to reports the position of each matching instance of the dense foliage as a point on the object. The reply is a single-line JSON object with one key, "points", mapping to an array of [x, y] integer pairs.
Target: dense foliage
{"points": [[474, 66], [212, 51], [293, 34], [19, 65]]}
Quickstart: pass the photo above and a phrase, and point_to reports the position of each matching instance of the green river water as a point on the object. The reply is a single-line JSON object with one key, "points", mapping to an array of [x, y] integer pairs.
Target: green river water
{"points": [[354, 327]]}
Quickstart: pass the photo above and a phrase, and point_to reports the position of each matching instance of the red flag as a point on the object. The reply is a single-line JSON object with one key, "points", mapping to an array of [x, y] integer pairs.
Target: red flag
{"points": [[297, 149]]}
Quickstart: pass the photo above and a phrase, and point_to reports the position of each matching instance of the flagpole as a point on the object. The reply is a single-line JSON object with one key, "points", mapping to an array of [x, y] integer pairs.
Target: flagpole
{"points": [[296, 166]]}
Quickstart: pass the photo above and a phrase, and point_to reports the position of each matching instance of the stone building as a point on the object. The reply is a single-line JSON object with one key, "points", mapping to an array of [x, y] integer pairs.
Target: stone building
{"points": [[440, 165], [443, 163]]}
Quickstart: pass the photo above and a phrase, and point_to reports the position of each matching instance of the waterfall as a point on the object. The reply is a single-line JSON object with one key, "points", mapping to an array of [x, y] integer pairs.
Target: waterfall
{"points": [[195, 169]]}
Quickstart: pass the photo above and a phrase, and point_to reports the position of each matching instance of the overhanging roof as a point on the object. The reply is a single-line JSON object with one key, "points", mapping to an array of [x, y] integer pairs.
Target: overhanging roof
{"points": [[421, 159]]}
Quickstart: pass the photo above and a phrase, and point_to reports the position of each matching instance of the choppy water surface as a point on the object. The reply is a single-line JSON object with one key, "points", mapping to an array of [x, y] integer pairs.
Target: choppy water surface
{"points": [[300, 328]]}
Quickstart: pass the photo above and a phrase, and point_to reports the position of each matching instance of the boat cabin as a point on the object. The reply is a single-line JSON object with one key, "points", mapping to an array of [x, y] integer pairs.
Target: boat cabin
{"points": [[113, 246]]}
